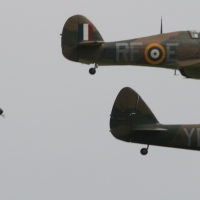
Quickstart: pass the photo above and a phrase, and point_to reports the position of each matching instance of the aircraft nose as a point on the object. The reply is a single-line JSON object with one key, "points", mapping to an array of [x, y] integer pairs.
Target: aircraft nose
{"points": [[1, 111]]}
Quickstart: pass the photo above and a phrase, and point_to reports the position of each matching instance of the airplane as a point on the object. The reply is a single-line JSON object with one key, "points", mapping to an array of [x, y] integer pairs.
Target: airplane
{"points": [[180, 50], [1, 112], [131, 120]]}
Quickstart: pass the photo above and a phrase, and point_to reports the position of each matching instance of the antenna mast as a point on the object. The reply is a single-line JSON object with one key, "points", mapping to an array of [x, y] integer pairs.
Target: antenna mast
{"points": [[161, 29]]}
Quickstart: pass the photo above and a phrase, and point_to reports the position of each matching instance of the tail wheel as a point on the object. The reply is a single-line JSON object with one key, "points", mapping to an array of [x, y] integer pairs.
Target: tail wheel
{"points": [[144, 151], [92, 71]]}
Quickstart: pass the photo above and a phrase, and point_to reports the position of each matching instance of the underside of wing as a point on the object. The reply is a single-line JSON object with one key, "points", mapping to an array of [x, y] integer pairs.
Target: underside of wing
{"points": [[191, 72]]}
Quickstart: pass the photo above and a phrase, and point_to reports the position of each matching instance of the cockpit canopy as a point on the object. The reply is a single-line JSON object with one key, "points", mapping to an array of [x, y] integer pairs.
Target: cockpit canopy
{"points": [[195, 34]]}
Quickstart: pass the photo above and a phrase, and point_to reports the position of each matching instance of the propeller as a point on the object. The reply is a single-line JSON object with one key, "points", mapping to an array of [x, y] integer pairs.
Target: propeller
{"points": [[1, 113]]}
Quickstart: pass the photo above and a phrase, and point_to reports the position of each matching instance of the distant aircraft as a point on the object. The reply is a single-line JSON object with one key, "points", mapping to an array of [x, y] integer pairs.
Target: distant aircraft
{"points": [[1, 112], [131, 120], [82, 42]]}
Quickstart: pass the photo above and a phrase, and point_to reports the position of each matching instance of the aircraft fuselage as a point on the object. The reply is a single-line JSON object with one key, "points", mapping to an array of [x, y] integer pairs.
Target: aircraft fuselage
{"points": [[81, 42], [171, 50], [177, 136]]}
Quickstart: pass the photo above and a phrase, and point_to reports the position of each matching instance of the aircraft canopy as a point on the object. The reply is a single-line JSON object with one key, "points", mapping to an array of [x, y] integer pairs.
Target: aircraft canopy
{"points": [[195, 34]]}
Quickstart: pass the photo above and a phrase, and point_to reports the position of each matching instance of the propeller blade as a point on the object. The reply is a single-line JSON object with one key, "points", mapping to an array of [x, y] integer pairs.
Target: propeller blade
{"points": [[3, 116]]}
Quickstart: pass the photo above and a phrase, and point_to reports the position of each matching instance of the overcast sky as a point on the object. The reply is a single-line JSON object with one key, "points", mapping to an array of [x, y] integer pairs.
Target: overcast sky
{"points": [[55, 141]]}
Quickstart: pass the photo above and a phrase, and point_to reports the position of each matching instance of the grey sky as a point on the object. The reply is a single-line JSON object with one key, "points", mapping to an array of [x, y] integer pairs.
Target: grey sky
{"points": [[55, 141]]}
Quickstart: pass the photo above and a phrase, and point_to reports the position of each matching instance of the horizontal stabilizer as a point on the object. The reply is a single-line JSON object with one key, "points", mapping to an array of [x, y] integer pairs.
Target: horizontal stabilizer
{"points": [[90, 43], [149, 129]]}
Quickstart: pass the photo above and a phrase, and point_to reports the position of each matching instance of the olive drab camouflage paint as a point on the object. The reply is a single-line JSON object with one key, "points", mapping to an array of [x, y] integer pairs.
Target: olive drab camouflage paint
{"points": [[82, 42], [131, 120]]}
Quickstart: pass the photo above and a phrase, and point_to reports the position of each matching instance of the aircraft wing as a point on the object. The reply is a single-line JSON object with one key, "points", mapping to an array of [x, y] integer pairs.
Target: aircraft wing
{"points": [[191, 72]]}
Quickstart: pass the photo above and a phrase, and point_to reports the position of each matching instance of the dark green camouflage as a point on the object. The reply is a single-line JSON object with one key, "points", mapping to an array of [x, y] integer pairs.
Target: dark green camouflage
{"points": [[131, 120]]}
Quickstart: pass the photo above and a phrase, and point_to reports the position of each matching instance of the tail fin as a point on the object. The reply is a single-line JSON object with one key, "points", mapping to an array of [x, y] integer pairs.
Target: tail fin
{"points": [[130, 112], [78, 31]]}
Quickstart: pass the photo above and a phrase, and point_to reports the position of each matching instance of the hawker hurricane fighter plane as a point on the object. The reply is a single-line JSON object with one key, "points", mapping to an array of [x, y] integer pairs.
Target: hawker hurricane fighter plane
{"points": [[131, 120], [82, 42]]}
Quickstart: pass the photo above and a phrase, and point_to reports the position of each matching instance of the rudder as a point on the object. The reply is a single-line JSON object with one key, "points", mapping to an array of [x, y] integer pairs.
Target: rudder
{"points": [[129, 112], [78, 30]]}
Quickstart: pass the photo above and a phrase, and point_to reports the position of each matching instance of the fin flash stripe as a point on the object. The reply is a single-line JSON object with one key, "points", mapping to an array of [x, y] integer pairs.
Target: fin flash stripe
{"points": [[85, 32], [154, 53]]}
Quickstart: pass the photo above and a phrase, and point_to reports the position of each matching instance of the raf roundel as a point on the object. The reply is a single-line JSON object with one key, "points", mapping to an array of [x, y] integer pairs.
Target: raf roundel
{"points": [[154, 53]]}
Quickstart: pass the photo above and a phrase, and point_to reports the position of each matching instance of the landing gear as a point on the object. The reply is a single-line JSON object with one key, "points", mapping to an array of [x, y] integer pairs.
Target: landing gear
{"points": [[144, 151], [92, 71]]}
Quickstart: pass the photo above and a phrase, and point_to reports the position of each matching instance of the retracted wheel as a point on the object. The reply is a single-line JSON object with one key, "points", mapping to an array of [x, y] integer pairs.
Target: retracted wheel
{"points": [[92, 71], [144, 151]]}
